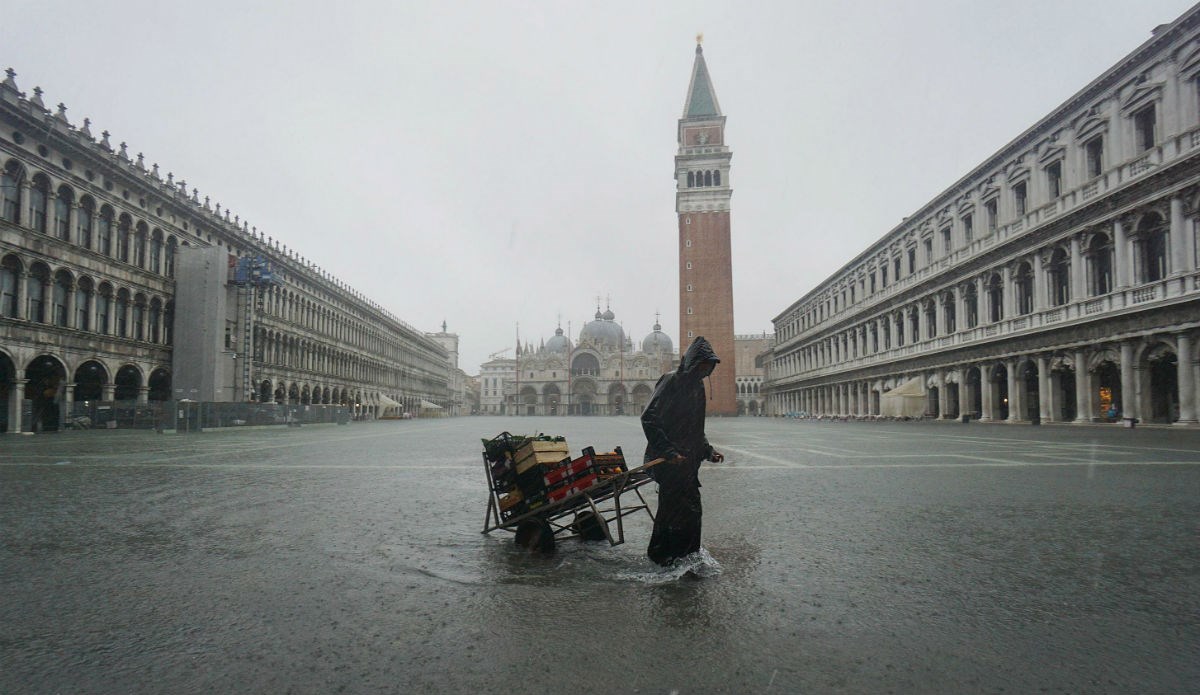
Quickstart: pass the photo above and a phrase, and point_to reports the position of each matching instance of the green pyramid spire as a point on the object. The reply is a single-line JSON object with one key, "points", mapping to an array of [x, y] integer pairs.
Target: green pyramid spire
{"points": [[701, 98]]}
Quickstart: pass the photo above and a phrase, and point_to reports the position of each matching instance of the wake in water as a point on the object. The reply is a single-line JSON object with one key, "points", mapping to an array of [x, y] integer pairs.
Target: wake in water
{"points": [[698, 565]]}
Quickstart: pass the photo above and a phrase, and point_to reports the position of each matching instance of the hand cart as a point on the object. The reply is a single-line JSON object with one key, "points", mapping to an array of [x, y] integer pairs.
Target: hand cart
{"points": [[585, 510]]}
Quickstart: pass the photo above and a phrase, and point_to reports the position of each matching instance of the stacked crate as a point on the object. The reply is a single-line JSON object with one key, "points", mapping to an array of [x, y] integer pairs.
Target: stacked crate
{"points": [[517, 464], [530, 472]]}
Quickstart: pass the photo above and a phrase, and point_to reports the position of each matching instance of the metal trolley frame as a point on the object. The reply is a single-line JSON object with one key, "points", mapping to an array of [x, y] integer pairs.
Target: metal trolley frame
{"points": [[603, 499]]}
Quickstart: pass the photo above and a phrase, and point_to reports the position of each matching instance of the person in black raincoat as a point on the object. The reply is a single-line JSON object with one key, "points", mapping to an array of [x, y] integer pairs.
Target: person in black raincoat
{"points": [[674, 427]]}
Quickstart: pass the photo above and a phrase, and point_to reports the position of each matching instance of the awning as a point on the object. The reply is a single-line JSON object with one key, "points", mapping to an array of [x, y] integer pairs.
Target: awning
{"points": [[384, 400], [430, 406]]}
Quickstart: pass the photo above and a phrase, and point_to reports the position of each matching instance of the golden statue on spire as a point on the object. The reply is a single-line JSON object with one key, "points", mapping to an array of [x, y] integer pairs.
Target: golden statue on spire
{"points": [[700, 38]]}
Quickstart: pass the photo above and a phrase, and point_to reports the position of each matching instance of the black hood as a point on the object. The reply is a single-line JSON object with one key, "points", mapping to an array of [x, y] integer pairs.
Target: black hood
{"points": [[698, 352]]}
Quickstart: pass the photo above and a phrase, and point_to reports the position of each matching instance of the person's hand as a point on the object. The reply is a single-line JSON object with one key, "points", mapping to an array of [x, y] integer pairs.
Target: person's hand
{"points": [[716, 457], [677, 458]]}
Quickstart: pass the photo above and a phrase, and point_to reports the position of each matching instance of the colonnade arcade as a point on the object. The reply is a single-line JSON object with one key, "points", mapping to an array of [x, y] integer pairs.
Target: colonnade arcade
{"points": [[39, 391], [584, 398], [1152, 378]]}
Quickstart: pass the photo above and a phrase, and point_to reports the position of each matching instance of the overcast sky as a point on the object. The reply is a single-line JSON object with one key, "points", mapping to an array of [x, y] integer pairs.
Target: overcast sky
{"points": [[488, 163]]}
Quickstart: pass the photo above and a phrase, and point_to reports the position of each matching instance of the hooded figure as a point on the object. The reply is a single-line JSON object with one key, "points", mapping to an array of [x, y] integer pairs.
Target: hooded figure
{"points": [[674, 427]]}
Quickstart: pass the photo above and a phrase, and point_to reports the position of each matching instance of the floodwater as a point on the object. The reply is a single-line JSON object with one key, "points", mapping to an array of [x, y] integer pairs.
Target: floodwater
{"points": [[838, 557]]}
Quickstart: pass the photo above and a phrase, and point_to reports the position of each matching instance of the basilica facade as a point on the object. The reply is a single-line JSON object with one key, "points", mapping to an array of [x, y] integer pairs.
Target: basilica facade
{"points": [[1058, 281], [602, 373]]}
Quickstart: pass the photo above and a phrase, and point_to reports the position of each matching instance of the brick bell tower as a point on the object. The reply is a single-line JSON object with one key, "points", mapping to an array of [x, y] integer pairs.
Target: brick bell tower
{"points": [[705, 263]]}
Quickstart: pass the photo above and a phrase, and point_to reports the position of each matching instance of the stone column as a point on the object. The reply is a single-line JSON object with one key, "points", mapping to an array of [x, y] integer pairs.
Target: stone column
{"points": [[1120, 255], [985, 392], [143, 395], [1039, 282], [17, 404], [1083, 389], [108, 392], [939, 313], [1128, 396], [24, 212], [1078, 282], [964, 402], [1178, 237], [1015, 405], [1009, 308], [981, 300], [1046, 401], [68, 406], [1187, 385], [943, 397], [23, 295]]}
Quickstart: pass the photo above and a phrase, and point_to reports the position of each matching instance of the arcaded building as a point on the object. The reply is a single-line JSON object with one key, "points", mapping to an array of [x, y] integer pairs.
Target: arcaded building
{"points": [[1057, 280], [100, 252]]}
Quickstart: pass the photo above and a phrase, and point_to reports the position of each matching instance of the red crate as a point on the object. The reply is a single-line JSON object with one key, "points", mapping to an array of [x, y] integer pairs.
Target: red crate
{"points": [[585, 481], [567, 470]]}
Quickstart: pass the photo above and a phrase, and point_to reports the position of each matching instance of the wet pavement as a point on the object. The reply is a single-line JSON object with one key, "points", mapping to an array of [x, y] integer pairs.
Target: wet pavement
{"points": [[846, 557]]}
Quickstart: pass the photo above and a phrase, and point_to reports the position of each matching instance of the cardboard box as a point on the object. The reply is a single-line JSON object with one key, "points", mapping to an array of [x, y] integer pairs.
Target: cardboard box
{"points": [[533, 446], [540, 459]]}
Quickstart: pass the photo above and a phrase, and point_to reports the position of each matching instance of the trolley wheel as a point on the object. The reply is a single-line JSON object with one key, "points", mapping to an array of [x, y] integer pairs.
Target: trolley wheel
{"points": [[536, 536], [589, 527]]}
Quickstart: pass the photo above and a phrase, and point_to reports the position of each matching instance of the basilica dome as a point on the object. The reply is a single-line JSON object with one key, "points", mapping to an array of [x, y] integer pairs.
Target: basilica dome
{"points": [[559, 343], [603, 331], [657, 342]]}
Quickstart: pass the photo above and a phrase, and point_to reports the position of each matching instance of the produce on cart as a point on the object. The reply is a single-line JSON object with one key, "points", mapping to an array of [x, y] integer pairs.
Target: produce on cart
{"points": [[534, 485]]}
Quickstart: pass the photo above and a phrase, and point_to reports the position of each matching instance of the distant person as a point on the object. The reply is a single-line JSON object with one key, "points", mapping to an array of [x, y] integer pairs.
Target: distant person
{"points": [[674, 427], [1112, 412]]}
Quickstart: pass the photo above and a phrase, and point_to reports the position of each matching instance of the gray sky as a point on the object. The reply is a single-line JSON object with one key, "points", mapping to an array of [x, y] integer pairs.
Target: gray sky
{"points": [[489, 163]]}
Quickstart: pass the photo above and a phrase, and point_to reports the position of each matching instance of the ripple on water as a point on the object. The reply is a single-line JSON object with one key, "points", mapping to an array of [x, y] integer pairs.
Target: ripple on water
{"points": [[499, 561]]}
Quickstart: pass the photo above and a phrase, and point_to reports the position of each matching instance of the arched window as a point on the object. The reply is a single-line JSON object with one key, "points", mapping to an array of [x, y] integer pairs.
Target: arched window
{"points": [[691, 180], [1023, 283], [971, 305], [168, 323], [87, 208], [104, 309], [10, 284], [124, 230], [10, 192], [83, 304], [995, 290], [1060, 277], [58, 301], [708, 178], [39, 193], [62, 213], [39, 277], [900, 331], [139, 317], [121, 313], [139, 245], [104, 230], [717, 177], [154, 332], [1151, 249], [169, 261], [1099, 256], [950, 312], [156, 245]]}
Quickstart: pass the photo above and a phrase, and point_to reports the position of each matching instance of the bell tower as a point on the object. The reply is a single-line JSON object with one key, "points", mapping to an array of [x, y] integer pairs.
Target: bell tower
{"points": [[702, 196]]}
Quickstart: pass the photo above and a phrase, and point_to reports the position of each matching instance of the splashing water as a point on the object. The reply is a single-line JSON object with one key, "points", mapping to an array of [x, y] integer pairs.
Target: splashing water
{"points": [[698, 565]]}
